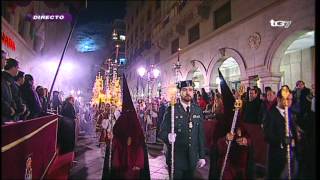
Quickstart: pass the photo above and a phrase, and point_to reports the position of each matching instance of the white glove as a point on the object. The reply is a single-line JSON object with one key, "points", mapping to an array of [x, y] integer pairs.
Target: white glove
{"points": [[201, 163], [154, 115], [104, 124], [116, 114], [172, 137]]}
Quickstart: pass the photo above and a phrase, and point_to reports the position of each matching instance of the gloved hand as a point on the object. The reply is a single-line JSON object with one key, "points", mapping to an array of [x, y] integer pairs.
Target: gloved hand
{"points": [[201, 163], [117, 114], [172, 137], [104, 124]]}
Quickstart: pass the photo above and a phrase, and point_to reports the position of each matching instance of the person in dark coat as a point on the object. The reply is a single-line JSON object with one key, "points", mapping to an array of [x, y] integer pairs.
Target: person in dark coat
{"points": [[68, 109], [205, 95], [22, 108], [9, 106], [189, 136], [56, 102], [252, 107], [31, 97], [267, 105], [162, 110], [41, 93], [274, 130], [301, 106], [67, 125]]}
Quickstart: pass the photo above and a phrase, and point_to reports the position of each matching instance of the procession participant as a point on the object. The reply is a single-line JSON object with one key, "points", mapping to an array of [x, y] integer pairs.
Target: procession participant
{"points": [[239, 163], [274, 130], [189, 136], [129, 157]]}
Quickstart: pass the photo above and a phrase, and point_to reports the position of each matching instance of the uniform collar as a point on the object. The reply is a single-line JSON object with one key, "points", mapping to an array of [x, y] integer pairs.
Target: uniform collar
{"points": [[184, 105]]}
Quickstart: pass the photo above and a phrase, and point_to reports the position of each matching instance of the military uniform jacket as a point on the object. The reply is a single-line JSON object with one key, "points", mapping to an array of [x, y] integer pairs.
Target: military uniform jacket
{"points": [[189, 144]]}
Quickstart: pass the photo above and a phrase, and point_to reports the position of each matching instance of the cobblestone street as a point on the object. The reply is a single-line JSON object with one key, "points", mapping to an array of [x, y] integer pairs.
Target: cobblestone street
{"points": [[89, 161]]}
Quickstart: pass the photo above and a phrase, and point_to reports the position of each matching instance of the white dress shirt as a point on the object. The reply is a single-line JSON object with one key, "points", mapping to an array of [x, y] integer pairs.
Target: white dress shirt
{"points": [[281, 111], [185, 105]]}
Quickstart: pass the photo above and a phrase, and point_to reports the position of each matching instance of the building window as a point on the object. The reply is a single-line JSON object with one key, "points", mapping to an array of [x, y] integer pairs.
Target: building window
{"points": [[5, 11], [136, 35], [137, 11], [32, 30], [141, 44], [148, 36], [157, 57], [174, 46], [141, 25], [21, 26], [149, 15], [158, 4], [132, 20], [222, 15], [194, 33]]}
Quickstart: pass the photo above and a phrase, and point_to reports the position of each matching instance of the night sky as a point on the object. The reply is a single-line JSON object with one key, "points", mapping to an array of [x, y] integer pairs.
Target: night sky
{"points": [[93, 28], [92, 34], [104, 11]]}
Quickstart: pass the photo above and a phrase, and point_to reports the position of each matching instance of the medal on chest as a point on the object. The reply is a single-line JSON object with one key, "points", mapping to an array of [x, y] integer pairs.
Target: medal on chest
{"points": [[190, 125]]}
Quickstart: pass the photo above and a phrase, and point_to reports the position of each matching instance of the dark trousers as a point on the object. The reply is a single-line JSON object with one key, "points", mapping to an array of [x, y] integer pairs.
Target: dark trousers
{"points": [[182, 174]]}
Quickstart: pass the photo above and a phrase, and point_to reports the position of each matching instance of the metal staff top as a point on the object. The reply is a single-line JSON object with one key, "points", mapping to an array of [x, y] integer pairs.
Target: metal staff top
{"points": [[237, 105]]}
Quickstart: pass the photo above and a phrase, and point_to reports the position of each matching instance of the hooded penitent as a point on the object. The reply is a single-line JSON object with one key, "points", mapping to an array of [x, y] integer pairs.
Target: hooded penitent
{"points": [[224, 126], [129, 155]]}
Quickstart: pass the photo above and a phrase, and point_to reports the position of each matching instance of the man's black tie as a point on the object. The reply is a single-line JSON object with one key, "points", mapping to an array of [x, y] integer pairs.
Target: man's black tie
{"points": [[188, 109]]}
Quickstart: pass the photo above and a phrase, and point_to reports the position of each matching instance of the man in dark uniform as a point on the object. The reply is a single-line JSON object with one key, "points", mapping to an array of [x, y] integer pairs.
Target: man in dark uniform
{"points": [[188, 138]]}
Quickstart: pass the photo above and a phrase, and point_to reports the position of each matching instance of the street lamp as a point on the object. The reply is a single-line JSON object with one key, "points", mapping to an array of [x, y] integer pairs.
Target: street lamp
{"points": [[149, 75], [156, 72], [141, 71], [114, 35]]}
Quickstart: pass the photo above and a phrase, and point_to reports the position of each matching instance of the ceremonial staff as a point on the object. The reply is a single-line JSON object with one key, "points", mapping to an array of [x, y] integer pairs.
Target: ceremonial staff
{"points": [[64, 51], [174, 95], [112, 109], [285, 93], [237, 105]]}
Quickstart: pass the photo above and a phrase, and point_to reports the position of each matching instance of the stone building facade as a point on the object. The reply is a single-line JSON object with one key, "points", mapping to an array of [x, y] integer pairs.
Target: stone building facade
{"points": [[267, 52]]}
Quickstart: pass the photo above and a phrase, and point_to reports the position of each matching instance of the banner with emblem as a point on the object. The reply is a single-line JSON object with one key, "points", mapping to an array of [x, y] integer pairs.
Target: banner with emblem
{"points": [[28, 148]]}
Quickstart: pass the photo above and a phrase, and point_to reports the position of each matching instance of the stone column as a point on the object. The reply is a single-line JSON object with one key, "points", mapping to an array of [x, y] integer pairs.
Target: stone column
{"points": [[273, 81]]}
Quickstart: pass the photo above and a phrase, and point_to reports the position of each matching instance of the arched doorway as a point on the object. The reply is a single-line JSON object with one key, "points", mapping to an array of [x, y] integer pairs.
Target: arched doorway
{"points": [[298, 61], [230, 70], [277, 51], [197, 77]]}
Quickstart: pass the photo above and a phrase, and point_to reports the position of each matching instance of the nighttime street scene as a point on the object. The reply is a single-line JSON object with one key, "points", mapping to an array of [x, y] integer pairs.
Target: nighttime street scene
{"points": [[158, 89]]}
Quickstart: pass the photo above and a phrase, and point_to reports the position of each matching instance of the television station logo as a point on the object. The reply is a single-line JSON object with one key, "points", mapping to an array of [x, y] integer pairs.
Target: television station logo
{"points": [[49, 17], [280, 23]]}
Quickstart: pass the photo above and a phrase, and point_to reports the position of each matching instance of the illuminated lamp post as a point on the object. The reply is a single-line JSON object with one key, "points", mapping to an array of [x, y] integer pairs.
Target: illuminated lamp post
{"points": [[149, 75]]}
